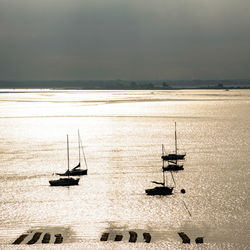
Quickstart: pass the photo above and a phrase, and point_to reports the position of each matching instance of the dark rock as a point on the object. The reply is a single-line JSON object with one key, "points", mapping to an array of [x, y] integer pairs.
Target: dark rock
{"points": [[35, 238], [199, 240], [46, 238], [104, 237], [20, 239], [59, 239], [118, 237], [147, 237], [133, 236], [184, 237]]}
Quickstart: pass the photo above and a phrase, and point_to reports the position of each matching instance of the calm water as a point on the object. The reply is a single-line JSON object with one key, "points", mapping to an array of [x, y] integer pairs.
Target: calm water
{"points": [[122, 133]]}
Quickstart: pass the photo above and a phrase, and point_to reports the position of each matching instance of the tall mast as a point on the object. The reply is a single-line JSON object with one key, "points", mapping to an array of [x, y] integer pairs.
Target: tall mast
{"points": [[84, 157], [175, 139], [79, 147], [68, 152], [163, 175], [162, 157]]}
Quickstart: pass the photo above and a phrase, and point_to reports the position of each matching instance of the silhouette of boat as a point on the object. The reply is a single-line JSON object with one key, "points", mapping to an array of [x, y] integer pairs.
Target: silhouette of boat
{"points": [[173, 167], [173, 158], [160, 190], [76, 171], [65, 181]]}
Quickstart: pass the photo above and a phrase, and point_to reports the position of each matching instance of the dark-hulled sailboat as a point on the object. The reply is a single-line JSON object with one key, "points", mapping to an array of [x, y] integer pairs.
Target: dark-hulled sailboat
{"points": [[172, 159], [173, 167], [65, 181], [160, 190], [164, 190], [76, 171]]}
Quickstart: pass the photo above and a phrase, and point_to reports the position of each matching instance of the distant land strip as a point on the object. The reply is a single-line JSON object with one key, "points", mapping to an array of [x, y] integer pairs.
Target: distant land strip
{"points": [[126, 84], [107, 116]]}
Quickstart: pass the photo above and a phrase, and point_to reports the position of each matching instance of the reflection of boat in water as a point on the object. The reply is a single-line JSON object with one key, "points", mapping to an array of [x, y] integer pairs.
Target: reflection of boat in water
{"points": [[65, 181], [172, 159], [77, 170]]}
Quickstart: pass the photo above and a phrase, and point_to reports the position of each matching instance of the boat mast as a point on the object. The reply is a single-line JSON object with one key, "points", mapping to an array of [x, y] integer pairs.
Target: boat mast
{"points": [[175, 139], [79, 147], [68, 153], [163, 175], [84, 157]]}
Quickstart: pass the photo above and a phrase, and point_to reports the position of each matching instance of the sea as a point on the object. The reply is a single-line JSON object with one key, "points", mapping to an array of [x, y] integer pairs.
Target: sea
{"points": [[122, 134]]}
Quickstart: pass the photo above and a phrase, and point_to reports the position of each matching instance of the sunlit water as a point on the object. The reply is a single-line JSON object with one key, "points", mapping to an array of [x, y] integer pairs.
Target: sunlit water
{"points": [[122, 133]]}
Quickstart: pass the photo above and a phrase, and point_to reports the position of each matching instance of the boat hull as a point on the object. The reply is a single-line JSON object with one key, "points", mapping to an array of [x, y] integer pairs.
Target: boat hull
{"points": [[173, 157], [74, 172], [64, 182], [159, 191], [173, 167]]}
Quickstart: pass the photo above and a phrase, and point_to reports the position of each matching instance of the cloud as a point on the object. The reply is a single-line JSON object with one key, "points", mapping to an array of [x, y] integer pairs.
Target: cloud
{"points": [[139, 39]]}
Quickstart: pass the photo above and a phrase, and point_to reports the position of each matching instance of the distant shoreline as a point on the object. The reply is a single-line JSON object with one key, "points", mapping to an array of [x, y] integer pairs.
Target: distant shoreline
{"points": [[122, 89], [127, 84]]}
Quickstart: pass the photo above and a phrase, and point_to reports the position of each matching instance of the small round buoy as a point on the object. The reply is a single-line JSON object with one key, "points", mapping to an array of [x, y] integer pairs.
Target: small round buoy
{"points": [[183, 191]]}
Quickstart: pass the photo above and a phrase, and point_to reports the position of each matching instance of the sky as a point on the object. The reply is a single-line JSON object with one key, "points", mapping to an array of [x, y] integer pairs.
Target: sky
{"points": [[124, 39]]}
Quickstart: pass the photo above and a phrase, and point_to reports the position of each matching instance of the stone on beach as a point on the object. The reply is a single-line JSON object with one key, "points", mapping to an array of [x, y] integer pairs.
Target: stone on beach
{"points": [[147, 237], [118, 237], [133, 236], [46, 238], [104, 237], [59, 238], [35, 238], [20, 239], [184, 237], [199, 240]]}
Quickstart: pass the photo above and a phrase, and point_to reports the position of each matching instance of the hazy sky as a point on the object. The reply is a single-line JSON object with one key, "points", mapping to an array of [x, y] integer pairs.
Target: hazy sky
{"points": [[124, 39]]}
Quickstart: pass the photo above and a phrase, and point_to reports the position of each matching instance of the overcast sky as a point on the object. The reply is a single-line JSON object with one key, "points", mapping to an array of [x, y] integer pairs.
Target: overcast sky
{"points": [[124, 39]]}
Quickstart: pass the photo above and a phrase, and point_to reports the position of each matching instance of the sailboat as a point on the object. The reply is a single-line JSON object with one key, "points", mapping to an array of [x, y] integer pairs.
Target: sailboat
{"points": [[160, 190], [77, 170], [172, 164], [65, 181], [173, 158]]}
